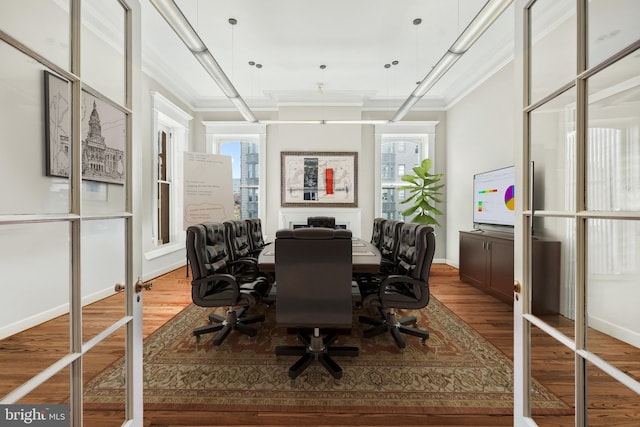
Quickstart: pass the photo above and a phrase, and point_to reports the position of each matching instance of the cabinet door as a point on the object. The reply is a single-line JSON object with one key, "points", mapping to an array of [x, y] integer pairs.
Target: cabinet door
{"points": [[501, 269], [473, 260]]}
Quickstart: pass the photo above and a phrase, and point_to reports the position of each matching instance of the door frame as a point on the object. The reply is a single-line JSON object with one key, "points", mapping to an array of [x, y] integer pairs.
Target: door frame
{"points": [[132, 319], [523, 319]]}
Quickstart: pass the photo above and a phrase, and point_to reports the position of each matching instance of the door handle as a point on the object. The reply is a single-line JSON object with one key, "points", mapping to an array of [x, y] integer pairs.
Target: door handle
{"points": [[140, 286], [517, 288]]}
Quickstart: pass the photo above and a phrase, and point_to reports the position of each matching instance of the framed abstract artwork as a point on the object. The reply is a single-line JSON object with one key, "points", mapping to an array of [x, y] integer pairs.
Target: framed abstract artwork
{"points": [[322, 179]]}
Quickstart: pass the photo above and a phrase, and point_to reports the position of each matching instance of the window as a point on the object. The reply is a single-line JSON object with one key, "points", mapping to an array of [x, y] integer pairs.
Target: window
{"points": [[398, 146], [246, 145], [164, 187], [171, 125], [245, 169], [396, 157]]}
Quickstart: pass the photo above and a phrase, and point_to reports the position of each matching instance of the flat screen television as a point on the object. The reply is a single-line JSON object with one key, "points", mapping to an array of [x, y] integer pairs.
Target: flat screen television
{"points": [[494, 199]]}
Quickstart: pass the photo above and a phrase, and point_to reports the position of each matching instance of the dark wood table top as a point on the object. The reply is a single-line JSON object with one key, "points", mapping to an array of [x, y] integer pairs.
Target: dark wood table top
{"points": [[366, 258]]}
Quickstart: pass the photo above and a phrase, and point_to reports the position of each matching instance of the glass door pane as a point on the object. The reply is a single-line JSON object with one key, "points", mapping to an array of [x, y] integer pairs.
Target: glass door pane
{"points": [[553, 46], [553, 153], [42, 25], [104, 47], [103, 267], [613, 284], [613, 137], [613, 25], [36, 280], [41, 126]]}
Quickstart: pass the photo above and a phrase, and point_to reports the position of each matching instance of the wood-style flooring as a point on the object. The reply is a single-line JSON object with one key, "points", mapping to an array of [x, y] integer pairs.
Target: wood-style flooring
{"points": [[610, 404]]}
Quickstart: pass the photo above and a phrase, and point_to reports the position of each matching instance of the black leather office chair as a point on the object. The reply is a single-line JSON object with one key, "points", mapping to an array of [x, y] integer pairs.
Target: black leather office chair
{"points": [[313, 273], [245, 263], [389, 246], [321, 221], [376, 233], [256, 238], [409, 289], [368, 283], [213, 286]]}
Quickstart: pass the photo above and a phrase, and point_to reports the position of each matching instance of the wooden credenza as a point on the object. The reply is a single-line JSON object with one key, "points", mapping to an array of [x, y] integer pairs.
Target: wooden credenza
{"points": [[486, 262]]}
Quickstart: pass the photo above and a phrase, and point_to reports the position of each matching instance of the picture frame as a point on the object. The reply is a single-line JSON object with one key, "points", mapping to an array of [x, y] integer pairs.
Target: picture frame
{"points": [[57, 123], [103, 130], [104, 134], [319, 179]]}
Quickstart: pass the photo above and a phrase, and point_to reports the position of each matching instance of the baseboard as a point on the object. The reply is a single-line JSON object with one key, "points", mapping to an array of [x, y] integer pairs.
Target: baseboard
{"points": [[447, 262], [150, 275], [615, 331], [35, 320]]}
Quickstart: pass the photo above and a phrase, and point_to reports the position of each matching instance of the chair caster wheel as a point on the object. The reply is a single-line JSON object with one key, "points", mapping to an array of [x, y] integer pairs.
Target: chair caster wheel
{"points": [[337, 381], [197, 338], [423, 341]]}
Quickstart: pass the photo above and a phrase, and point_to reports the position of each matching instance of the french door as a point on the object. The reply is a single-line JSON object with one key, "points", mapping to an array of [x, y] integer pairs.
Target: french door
{"points": [[68, 235], [580, 171]]}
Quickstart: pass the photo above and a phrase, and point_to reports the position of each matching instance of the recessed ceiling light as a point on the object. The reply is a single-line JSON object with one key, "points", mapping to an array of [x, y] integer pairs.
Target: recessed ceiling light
{"points": [[417, 21], [233, 21]]}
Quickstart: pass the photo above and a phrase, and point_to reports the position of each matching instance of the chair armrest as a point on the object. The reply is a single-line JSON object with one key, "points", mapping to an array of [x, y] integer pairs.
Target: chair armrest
{"points": [[221, 277], [245, 267], [387, 267], [399, 284]]}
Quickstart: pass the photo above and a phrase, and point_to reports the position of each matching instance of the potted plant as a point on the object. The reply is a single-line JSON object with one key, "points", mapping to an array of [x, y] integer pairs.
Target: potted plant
{"points": [[424, 194]]}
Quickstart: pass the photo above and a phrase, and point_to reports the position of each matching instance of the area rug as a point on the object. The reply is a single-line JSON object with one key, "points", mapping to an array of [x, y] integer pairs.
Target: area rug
{"points": [[456, 372]]}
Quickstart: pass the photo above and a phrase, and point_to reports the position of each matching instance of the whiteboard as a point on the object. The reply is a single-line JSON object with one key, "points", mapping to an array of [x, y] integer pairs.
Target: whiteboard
{"points": [[208, 188]]}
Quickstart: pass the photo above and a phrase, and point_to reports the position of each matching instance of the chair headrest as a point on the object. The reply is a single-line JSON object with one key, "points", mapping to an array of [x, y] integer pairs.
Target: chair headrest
{"points": [[313, 234]]}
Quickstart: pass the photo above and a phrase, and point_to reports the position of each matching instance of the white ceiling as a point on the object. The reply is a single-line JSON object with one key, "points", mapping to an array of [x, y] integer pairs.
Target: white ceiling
{"points": [[353, 38]]}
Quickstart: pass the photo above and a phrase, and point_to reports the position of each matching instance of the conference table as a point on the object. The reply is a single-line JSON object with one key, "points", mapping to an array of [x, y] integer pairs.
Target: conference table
{"points": [[365, 257]]}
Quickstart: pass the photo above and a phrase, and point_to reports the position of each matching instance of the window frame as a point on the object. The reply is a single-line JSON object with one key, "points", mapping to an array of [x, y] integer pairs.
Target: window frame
{"points": [[423, 133], [169, 118], [217, 133]]}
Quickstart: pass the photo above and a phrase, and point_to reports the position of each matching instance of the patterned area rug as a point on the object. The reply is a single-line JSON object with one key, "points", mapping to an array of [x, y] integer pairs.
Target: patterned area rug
{"points": [[457, 372]]}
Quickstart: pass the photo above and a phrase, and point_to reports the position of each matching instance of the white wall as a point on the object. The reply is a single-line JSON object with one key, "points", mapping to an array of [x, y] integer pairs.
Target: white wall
{"points": [[480, 137], [304, 137]]}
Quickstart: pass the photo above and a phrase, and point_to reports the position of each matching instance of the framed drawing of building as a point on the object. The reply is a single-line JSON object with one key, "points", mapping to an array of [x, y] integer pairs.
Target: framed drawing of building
{"points": [[103, 132], [57, 124], [103, 141], [322, 179]]}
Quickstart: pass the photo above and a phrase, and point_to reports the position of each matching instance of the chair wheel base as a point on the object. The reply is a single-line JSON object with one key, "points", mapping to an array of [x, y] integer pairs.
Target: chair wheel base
{"points": [[389, 322], [316, 349], [233, 322]]}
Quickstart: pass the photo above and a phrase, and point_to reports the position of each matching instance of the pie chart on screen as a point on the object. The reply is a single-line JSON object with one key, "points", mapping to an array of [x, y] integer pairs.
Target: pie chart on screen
{"points": [[509, 198]]}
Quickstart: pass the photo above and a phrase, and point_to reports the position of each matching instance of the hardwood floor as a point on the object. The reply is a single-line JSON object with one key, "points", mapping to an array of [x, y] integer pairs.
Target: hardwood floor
{"points": [[609, 403]]}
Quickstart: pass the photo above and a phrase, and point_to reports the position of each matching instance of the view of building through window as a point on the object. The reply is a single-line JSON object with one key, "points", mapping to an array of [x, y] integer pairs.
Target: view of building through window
{"points": [[245, 167], [398, 158]]}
